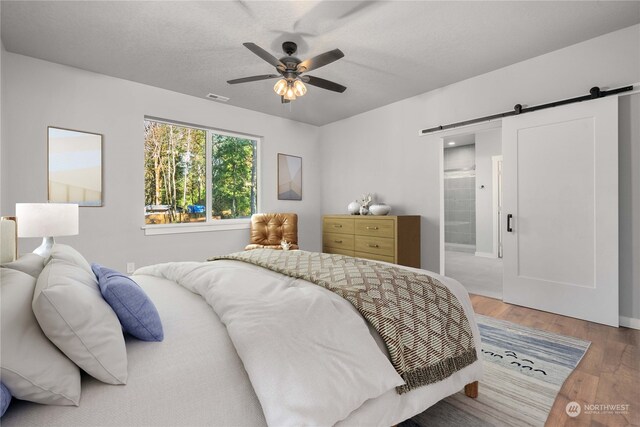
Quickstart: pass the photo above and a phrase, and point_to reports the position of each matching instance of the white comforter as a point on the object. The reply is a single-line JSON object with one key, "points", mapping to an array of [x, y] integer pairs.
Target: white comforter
{"points": [[309, 354]]}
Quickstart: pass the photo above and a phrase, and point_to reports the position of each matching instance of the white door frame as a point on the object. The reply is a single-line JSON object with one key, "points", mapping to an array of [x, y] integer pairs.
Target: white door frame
{"points": [[463, 130], [496, 204]]}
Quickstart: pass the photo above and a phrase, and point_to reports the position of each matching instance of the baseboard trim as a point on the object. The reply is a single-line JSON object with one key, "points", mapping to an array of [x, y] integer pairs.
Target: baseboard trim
{"points": [[485, 254], [485, 293], [630, 322]]}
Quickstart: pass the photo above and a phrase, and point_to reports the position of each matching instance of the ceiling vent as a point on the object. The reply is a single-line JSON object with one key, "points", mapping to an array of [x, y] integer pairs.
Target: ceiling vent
{"points": [[219, 98]]}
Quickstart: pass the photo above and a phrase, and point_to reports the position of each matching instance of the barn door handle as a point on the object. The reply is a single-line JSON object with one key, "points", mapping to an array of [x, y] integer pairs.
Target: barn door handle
{"points": [[509, 227]]}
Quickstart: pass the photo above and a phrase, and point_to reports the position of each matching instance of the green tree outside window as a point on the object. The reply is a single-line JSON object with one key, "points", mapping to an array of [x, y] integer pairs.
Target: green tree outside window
{"points": [[176, 170]]}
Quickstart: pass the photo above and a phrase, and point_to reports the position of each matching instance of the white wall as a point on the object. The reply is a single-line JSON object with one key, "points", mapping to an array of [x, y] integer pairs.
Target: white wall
{"points": [[488, 144], [39, 94], [380, 150]]}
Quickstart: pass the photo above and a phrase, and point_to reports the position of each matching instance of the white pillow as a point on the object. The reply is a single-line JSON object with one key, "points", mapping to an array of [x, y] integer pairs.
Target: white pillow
{"points": [[32, 367], [31, 264], [67, 253], [72, 313]]}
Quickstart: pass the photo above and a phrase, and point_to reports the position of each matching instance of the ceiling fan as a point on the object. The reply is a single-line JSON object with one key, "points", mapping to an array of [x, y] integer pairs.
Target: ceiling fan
{"points": [[289, 68]]}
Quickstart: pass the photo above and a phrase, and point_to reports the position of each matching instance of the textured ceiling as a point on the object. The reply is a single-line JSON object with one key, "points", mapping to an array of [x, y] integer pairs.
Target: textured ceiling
{"points": [[393, 50]]}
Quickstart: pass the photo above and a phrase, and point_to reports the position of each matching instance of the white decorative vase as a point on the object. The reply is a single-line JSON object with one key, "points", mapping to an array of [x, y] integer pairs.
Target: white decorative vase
{"points": [[364, 210], [380, 209], [285, 245], [354, 208]]}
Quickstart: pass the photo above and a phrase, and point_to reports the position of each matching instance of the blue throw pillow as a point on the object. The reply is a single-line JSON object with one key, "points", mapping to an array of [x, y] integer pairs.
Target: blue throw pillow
{"points": [[5, 399], [134, 309]]}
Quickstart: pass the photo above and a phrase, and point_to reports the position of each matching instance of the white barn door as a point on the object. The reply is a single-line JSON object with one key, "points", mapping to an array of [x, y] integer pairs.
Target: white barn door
{"points": [[560, 223]]}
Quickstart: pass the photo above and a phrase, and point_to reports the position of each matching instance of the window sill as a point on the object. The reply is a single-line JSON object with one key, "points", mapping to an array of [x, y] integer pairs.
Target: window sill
{"points": [[220, 225]]}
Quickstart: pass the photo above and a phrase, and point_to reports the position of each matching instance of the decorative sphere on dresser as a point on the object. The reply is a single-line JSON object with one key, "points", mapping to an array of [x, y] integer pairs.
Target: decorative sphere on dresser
{"points": [[354, 208]]}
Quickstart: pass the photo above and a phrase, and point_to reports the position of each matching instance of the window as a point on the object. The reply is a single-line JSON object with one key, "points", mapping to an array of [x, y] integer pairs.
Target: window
{"points": [[197, 175]]}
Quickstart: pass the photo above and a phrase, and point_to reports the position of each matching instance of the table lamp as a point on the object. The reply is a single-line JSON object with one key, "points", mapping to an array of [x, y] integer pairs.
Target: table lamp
{"points": [[46, 220]]}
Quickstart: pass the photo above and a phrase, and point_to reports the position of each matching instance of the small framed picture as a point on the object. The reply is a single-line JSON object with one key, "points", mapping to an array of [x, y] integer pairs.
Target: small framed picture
{"points": [[74, 166], [289, 177]]}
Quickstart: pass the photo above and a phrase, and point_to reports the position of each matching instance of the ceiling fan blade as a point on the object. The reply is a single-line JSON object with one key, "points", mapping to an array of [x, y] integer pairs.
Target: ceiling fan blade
{"points": [[264, 54], [253, 78], [324, 84], [327, 16], [320, 60]]}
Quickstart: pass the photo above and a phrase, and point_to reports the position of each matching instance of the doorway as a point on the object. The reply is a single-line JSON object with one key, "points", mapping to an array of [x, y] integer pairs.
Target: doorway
{"points": [[559, 219], [471, 196]]}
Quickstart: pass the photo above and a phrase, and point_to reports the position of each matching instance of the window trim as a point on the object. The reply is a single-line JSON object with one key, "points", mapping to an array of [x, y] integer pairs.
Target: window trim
{"points": [[210, 224], [197, 227]]}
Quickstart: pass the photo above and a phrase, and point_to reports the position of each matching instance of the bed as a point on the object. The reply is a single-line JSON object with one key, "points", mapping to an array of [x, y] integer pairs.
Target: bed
{"points": [[195, 376]]}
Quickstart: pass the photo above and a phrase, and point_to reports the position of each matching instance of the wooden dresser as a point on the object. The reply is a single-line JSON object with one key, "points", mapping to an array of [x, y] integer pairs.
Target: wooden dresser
{"points": [[394, 239]]}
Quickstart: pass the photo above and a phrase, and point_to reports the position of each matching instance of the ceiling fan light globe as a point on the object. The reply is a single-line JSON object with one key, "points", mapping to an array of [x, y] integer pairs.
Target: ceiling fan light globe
{"points": [[280, 87], [299, 88], [290, 94]]}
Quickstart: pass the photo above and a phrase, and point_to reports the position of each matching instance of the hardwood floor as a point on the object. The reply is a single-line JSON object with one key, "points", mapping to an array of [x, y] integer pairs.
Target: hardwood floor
{"points": [[608, 374]]}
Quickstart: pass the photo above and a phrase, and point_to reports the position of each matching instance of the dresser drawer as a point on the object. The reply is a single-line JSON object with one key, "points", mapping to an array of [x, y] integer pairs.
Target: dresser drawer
{"points": [[338, 225], [374, 227], [328, 250], [375, 257], [375, 245], [337, 240]]}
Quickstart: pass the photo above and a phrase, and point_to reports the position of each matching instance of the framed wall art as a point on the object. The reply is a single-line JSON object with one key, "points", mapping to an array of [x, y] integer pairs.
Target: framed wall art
{"points": [[74, 166], [289, 177]]}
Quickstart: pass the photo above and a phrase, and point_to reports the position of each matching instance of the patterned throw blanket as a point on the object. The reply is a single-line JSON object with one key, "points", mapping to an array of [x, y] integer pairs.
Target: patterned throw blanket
{"points": [[420, 321]]}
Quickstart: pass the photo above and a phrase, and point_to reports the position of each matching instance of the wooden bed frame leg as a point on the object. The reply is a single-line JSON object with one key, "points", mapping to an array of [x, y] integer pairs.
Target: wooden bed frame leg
{"points": [[471, 390]]}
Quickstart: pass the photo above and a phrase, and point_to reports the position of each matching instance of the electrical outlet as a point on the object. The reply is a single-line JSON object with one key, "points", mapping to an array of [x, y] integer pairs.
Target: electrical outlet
{"points": [[131, 267]]}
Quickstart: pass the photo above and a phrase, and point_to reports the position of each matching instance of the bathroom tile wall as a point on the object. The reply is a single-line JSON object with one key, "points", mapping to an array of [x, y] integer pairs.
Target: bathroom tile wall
{"points": [[460, 195], [460, 157]]}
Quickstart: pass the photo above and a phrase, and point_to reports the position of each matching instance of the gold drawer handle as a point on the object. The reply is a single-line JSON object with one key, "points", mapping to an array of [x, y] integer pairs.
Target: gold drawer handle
{"points": [[338, 241], [373, 246], [372, 228], [337, 225]]}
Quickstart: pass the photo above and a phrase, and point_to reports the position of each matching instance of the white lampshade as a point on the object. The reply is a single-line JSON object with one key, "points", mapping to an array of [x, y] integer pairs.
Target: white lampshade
{"points": [[47, 219]]}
